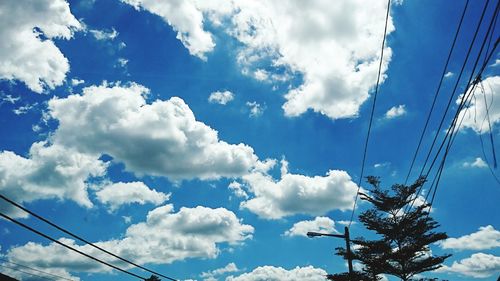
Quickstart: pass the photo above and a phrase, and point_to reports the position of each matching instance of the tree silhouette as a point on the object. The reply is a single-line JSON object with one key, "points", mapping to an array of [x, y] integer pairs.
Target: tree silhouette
{"points": [[153, 278], [403, 248]]}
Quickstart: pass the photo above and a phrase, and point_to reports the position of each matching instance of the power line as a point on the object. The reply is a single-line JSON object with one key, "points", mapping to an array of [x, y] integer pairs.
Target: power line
{"points": [[468, 93], [82, 239], [454, 89], [37, 270], [69, 247], [25, 272], [372, 113], [437, 91]]}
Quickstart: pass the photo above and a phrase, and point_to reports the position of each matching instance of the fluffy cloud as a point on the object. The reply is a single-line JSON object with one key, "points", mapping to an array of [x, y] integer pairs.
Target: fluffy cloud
{"points": [[478, 265], [271, 273], [27, 51], [298, 194], [334, 48], [164, 237], [487, 237], [161, 138], [395, 111], [230, 267], [221, 97], [478, 163], [102, 35], [118, 194], [186, 18], [255, 108], [319, 224], [475, 117], [50, 171]]}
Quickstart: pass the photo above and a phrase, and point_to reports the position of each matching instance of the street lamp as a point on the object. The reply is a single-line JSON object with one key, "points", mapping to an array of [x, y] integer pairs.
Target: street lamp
{"points": [[347, 244]]}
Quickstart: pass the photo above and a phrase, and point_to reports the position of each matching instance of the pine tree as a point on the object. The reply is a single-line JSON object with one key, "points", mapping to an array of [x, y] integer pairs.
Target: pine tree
{"points": [[403, 248]]}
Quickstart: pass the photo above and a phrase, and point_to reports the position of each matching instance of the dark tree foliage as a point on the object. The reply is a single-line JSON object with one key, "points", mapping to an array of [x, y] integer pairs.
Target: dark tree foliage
{"points": [[403, 248], [153, 278]]}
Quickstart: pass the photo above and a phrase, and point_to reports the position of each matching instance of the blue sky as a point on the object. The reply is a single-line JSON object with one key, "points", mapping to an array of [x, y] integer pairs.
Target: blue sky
{"points": [[204, 138]]}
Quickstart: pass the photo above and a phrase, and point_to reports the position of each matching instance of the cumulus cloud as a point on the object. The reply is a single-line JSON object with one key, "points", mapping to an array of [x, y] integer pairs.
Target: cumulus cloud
{"points": [[271, 273], [237, 189], [186, 18], [487, 237], [334, 49], [319, 224], [161, 138], [395, 111], [478, 163], [103, 35], [449, 74], [221, 97], [229, 268], [298, 194], [76, 82], [475, 117], [478, 265], [50, 171], [255, 108], [117, 194], [164, 237], [27, 49]]}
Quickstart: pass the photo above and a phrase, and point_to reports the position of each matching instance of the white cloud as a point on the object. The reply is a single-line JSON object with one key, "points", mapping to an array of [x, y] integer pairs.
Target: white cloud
{"points": [[237, 189], [127, 219], [271, 273], [487, 237], [396, 111], [50, 171], [117, 194], [449, 74], [102, 35], [76, 82], [185, 18], [496, 63], [230, 267], [255, 108], [334, 48], [478, 163], [261, 74], [9, 99], [221, 97], [24, 109], [164, 237], [298, 194], [122, 62], [381, 165], [478, 265], [474, 118], [117, 121], [319, 224], [24, 55]]}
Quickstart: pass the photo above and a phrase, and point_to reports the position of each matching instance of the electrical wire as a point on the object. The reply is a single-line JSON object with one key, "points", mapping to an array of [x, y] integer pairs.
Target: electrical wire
{"points": [[81, 238], [457, 32], [37, 270], [69, 247], [371, 114], [25, 272], [449, 137]]}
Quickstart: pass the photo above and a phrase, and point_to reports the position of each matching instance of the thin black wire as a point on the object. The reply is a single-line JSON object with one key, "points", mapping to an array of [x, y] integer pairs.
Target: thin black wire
{"points": [[437, 91], [450, 132], [37, 270], [372, 113], [469, 51], [25, 272], [489, 126], [69, 247], [81, 238], [463, 102], [455, 87]]}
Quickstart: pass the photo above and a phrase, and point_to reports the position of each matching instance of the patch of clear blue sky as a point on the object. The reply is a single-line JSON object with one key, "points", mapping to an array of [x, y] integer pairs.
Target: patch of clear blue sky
{"points": [[312, 143]]}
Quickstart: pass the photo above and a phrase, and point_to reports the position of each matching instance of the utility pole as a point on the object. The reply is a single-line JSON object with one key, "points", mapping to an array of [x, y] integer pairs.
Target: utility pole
{"points": [[347, 244]]}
